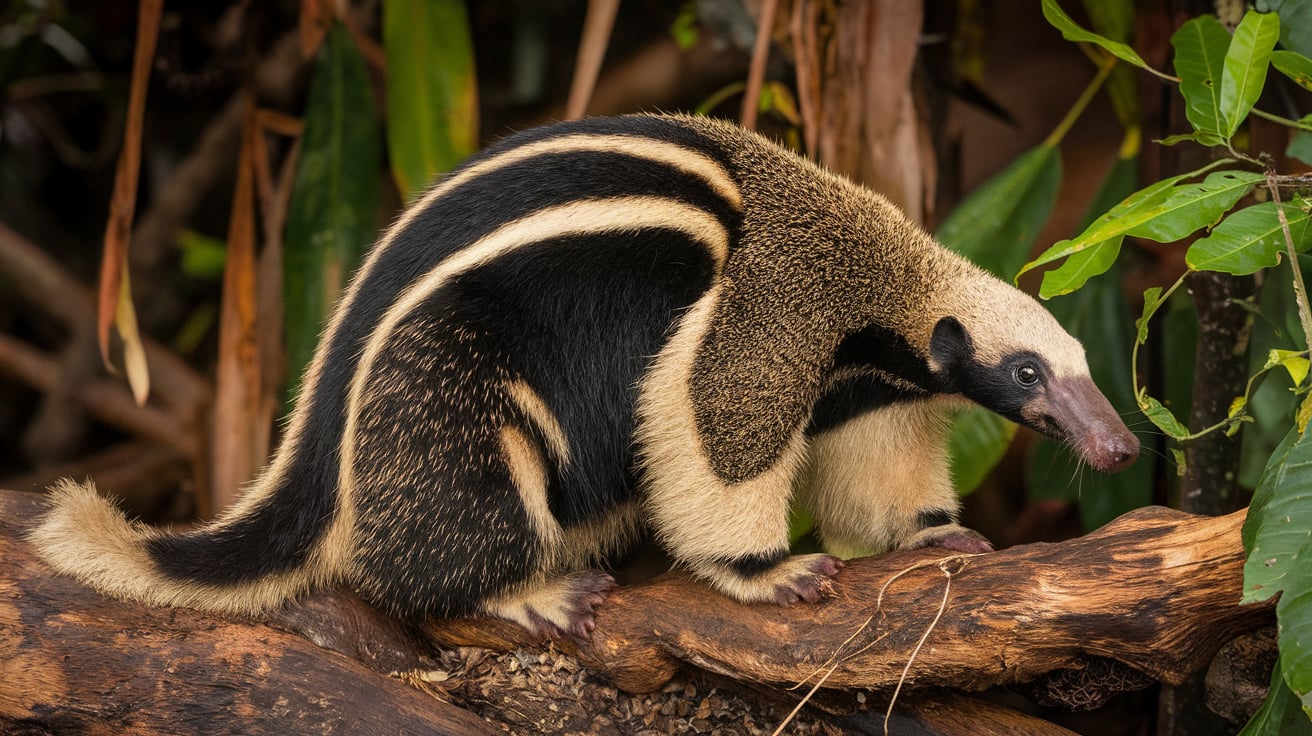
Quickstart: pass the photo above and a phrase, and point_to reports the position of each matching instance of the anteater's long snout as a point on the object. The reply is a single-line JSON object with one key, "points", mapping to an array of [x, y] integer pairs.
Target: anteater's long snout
{"points": [[1086, 420]]}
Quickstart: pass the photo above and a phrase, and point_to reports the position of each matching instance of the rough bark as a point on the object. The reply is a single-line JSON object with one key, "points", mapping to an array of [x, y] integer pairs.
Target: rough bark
{"points": [[1156, 591]]}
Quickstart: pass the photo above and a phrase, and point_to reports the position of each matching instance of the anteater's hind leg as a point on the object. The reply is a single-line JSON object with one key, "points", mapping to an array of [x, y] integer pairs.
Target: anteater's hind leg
{"points": [[449, 489], [560, 605]]}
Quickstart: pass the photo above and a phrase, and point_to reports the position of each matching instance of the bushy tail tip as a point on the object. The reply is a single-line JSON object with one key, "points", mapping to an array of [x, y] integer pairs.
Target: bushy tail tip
{"points": [[86, 536]]}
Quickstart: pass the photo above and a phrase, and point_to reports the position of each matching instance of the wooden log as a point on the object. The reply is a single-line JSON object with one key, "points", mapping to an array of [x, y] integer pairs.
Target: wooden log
{"points": [[72, 661], [1156, 590]]}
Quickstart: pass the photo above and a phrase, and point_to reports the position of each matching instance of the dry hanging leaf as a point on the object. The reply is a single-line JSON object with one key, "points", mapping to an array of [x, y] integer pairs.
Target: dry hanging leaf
{"points": [[114, 298]]}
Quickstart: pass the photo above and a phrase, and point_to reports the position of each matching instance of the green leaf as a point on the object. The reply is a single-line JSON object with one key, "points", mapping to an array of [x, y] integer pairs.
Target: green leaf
{"points": [[978, 441], [1295, 66], [1190, 207], [1134, 211], [1300, 146], [1152, 299], [1244, 72], [334, 206], [1200, 50], [1162, 417], [1279, 714], [1250, 240], [432, 105], [1295, 23], [996, 225], [1080, 267], [1294, 619], [1279, 517], [1071, 31]]}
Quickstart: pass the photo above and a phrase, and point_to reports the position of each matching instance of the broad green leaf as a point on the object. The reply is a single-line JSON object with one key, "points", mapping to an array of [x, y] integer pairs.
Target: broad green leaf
{"points": [[1122, 219], [978, 441], [1295, 23], [1279, 714], [1250, 240], [1244, 72], [1300, 146], [1295, 66], [1294, 618], [1071, 31], [1200, 49], [432, 104], [1278, 518], [1162, 417], [1191, 207], [334, 206], [996, 225]]}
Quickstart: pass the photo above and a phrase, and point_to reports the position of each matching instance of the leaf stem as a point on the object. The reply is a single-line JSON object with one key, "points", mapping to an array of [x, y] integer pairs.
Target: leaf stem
{"points": [[1134, 352], [1299, 124], [1300, 289], [1105, 67]]}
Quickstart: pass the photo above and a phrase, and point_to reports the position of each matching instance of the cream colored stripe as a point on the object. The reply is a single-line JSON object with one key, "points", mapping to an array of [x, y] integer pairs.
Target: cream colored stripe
{"points": [[586, 217], [531, 403], [330, 555]]}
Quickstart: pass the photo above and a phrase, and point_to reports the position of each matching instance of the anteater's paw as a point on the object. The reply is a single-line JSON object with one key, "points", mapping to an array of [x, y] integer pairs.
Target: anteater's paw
{"points": [[950, 536], [564, 606], [805, 578]]}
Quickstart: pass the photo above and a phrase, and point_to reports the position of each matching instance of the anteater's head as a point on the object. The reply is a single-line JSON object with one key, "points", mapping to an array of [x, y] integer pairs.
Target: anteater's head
{"points": [[1001, 349]]}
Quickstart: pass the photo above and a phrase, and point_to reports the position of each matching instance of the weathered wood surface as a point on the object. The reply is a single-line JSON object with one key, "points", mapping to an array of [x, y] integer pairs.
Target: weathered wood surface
{"points": [[72, 661], [1156, 590]]}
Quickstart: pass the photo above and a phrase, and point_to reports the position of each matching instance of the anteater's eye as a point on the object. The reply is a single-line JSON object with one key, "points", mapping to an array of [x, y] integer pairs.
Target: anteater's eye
{"points": [[1025, 375]]}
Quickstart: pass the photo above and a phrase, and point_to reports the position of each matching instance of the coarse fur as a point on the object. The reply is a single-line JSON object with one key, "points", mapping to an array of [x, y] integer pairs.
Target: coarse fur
{"points": [[591, 327]]}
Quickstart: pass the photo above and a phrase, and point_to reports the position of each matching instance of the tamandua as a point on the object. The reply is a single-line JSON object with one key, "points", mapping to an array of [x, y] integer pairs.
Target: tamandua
{"points": [[592, 326]]}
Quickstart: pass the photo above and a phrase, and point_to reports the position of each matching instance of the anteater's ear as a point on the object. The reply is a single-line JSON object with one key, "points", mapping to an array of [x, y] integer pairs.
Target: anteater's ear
{"points": [[949, 345]]}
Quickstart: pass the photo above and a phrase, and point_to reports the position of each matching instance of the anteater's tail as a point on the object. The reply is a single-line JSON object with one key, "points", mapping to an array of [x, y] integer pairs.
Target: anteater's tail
{"points": [[246, 562]]}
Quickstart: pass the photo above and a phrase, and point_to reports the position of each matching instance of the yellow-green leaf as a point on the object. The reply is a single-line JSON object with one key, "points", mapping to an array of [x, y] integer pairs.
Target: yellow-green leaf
{"points": [[1293, 361]]}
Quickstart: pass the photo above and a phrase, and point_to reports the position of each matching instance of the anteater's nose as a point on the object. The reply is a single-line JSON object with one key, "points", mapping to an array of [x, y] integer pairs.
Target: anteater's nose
{"points": [[1120, 451]]}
